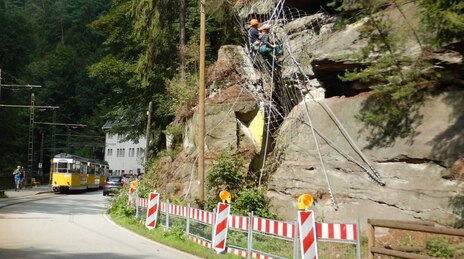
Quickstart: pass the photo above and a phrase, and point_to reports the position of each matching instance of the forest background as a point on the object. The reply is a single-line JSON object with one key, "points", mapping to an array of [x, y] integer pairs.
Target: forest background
{"points": [[98, 61], [101, 60]]}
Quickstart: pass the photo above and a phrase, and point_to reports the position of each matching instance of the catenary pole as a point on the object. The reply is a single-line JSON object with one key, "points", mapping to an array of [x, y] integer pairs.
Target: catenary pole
{"points": [[201, 108], [147, 134]]}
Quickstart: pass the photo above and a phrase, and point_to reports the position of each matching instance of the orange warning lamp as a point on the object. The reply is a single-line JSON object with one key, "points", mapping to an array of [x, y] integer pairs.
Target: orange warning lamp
{"points": [[225, 196], [304, 201], [134, 184]]}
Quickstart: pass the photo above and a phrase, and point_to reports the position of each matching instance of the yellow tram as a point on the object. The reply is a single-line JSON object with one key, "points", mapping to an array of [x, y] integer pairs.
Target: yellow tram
{"points": [[70, 172]]}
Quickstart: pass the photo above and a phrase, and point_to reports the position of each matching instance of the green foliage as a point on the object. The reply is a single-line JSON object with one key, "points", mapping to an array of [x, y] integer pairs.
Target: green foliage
{"points": [[177, 232], [397, 79], [119, 205], [184, 95], [252, 200], [444, 19], [149, 181], [440, 248], [227, 172]]}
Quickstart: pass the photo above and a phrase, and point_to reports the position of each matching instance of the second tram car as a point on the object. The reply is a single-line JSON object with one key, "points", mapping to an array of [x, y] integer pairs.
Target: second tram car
{"points": [[70, 172]]}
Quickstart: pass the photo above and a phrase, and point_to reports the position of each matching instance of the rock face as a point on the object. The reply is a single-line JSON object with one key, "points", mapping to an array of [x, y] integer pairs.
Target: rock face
{"points": [[423, 172], [411, 167]]}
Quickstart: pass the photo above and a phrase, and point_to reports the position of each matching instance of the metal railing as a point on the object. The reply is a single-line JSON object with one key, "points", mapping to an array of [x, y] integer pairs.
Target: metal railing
{"points": [[255, 237]]}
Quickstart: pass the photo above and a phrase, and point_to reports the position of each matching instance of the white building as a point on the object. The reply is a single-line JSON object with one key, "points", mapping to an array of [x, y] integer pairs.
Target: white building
{"points": [[123, 157]]}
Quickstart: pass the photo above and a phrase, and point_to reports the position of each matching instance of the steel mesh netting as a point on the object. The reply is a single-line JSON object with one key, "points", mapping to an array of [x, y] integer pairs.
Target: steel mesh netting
{"points": [[200, 229], [142, 214], [237, 239], [282, 88], [274, 246]]}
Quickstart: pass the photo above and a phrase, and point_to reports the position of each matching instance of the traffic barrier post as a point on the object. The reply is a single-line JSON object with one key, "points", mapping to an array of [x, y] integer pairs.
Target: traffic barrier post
{"points": [[307, 233], [152, 211], [221, 227]]}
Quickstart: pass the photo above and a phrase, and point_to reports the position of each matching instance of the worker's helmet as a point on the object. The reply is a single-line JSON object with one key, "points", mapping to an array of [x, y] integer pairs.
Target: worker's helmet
{"points": [[254, 22], [265, 27]]}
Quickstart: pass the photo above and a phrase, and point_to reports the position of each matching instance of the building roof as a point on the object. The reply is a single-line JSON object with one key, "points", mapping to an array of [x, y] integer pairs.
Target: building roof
{"points": [[109, 124]]}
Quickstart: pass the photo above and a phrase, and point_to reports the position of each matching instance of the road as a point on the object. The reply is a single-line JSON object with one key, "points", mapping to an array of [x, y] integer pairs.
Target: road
{"points": [[71, 226]]}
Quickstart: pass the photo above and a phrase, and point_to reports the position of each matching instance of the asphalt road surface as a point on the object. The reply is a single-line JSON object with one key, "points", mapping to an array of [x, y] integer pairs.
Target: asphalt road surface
{"points": [[71, 226]]}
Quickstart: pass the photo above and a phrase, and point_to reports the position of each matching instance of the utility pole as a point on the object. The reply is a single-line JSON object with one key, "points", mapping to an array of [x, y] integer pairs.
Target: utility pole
{"points": [[201, 104], [53, 135], [147, 135], [30, 146], [41, 159]]}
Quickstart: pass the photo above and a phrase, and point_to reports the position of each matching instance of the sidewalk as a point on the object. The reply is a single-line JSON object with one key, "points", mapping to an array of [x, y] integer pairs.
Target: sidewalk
{"points": [[10, 193]]}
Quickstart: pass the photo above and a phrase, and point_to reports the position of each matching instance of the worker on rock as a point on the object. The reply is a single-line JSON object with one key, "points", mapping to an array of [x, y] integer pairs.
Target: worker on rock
{"points": [[253, 35], [269, 50]]}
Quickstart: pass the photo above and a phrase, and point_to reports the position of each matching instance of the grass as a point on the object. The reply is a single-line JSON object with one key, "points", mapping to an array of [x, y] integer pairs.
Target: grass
{"points": [[174, 239]]}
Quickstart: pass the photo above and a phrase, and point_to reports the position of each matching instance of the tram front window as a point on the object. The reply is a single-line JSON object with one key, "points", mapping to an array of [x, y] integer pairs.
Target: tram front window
{"points": [[62, 167]]}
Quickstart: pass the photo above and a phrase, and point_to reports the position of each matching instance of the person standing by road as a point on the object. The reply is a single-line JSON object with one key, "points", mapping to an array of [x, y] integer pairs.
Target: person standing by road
{"points": [[23, 177], [17, 177]]}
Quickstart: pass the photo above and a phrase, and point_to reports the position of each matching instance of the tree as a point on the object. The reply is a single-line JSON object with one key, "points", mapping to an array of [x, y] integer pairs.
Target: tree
{"points": [[16, 43], [445, 19]]}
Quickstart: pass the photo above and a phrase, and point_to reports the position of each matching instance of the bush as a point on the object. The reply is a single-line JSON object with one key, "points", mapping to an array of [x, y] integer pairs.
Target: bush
{"points": [[227, 172], [253, 200], [119, 205], [439, 247]]}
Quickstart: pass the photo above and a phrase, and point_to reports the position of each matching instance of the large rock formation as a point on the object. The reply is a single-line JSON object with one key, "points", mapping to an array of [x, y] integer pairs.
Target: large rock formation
{"points": [[413, 168], [422, 172]]}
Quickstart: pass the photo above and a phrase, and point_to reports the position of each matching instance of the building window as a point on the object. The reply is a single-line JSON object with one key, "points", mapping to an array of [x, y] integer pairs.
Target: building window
{"points": [[119, 137], [110, 135], [120, 152], [131, 152], [109, 152], [139, 152]]}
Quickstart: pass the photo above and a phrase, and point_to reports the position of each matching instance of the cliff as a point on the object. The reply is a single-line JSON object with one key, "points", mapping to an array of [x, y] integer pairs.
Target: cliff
{"points": [[316, 138]]}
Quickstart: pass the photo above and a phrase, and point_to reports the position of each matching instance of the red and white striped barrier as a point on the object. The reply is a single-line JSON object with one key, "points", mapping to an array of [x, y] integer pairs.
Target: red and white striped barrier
{"points": [[243, 253], [343, 232], [201, 242], [131, 196], [238, 222], [152, 211], [307, 229], [142, 202], [201, 215], [177, 210], [236, 251], [273, 227], [163, 206], [221, 227]]}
